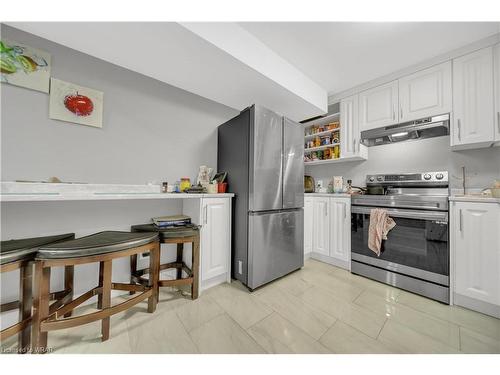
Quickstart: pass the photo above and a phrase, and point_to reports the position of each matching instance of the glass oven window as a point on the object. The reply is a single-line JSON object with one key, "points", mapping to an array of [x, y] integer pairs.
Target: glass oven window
{"points": [[415, 243]]}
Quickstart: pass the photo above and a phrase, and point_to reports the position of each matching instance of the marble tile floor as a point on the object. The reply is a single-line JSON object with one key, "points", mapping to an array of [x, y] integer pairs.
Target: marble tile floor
{"points": [[318, 309]]}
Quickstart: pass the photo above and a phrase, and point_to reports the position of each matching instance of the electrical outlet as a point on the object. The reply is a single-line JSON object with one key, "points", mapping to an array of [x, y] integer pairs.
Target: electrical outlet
{"points": [[240, 267]]}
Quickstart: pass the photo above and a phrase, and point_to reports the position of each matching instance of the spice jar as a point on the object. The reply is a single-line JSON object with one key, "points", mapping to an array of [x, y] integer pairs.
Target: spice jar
{"points": [[185, 184]]}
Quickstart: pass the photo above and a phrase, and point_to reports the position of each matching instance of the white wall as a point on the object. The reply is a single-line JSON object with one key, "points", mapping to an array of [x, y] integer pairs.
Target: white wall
{"points": [[151, 132], [434, 154]]}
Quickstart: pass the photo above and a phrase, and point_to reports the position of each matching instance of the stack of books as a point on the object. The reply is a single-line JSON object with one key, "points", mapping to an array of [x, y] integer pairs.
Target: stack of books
{"points": [[171, 221]]}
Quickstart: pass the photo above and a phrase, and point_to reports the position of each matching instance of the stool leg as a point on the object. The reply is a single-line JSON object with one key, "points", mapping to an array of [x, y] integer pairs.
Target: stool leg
{"points": [[26, 301], [195, 267], [101, 283], [105, 296], [180, 250], [154, 275], [133, 269], [69, 272], [40, 307]]}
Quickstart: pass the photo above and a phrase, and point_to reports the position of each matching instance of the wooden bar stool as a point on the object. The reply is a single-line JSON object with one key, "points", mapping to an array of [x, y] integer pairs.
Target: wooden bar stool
{"points": [[179, 236], [19, 254], [101, 247]]}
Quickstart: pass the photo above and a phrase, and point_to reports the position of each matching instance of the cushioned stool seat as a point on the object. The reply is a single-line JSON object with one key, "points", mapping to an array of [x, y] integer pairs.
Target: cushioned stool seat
{"points": [[183, 231], [174, 235], [26, 248], [95, 244], [19, 255], [102, 248]]}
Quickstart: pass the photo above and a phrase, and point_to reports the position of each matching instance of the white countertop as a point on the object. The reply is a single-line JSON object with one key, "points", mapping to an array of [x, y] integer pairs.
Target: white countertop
{"points": [[331, 195], [473, 198], [41, 192]]}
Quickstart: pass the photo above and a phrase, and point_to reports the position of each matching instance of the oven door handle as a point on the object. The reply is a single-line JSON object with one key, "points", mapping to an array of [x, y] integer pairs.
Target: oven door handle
{"points": [[408, 214]]}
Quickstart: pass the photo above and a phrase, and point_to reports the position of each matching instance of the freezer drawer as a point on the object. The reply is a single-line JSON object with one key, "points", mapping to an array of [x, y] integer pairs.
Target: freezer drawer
{"points": [[276, 245]]}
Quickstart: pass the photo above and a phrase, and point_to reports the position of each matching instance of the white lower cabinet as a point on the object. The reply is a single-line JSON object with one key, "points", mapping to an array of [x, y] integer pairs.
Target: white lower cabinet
{"points": [[475, 245], [340, 229], [308, 225], [214, 217], [328, 227], [321, 224]]}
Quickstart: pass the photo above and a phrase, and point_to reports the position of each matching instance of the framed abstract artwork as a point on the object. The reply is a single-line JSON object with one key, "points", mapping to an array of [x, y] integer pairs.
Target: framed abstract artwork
{"points": [[25, 66], [74, 103]]}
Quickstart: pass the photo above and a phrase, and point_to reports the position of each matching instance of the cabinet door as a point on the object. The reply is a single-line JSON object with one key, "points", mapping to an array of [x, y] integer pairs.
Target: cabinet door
{"points": [[308, 224], [340, 228], [425, 93], [473, 98], [349, 127], [215, 244], [496, 60], [378, 106], [321, 225], [477, 251]]}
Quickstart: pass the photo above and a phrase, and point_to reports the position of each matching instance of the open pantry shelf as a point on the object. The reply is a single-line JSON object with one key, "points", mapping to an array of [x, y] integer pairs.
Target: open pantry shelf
{"points": [[319, 148], [323, 120], [338, 160], [326, 132]]}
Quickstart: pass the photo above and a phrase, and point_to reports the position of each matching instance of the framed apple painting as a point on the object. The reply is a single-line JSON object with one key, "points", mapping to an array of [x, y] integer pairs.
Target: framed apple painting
{"points": [[74, 103]]}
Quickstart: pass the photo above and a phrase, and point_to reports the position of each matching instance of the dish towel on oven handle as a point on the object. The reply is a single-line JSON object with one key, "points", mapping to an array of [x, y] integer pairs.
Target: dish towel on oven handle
{"points": [[380, 225]]}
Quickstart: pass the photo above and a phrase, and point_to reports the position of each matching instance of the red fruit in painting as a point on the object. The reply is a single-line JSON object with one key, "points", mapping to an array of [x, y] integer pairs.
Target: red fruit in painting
{"points": [[80, 105]]}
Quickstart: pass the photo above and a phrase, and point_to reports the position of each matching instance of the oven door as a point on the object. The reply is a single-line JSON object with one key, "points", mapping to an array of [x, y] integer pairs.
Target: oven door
{"points": [[417, 246]]}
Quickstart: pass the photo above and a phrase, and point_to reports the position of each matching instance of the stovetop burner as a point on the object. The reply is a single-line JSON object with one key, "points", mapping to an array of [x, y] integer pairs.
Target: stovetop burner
{"points": [[428, 191]]}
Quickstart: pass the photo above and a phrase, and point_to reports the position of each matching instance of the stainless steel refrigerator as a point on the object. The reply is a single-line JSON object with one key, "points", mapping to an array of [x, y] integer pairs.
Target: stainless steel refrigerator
{"points": [[262, 152]]}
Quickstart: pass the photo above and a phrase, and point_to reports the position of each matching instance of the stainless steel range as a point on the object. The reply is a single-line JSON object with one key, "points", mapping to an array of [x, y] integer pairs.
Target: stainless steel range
{"points": [[415, 256]]}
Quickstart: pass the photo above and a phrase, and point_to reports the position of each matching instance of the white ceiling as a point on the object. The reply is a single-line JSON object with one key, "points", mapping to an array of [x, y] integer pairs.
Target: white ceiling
{"points": [[341, 55], [286, 66], [219, 61]]}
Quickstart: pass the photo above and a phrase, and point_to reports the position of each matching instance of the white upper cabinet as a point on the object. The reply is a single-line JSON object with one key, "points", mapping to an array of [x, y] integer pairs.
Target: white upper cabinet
{"points": [[379, 106], [425, 93], [340, 229], [349, 127], [476, 246], [473, 112], [496, 60], [321, 228], [308, 224]]}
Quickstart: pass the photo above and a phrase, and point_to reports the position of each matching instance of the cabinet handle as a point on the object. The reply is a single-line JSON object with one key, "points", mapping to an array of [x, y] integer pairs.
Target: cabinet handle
{"points": [[325, 210], [354, 145], [498, 121], [460, 219], [401, 112], [459, 125], [393, 114], [344, 206], [205, 216]]}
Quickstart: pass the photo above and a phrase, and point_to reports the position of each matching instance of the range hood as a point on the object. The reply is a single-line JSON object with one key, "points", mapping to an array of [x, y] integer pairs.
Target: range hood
{"points": [[428, 127]]}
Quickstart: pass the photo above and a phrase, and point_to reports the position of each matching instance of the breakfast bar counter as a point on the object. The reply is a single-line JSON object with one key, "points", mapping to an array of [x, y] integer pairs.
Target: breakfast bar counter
{"points": [[43, 192]]}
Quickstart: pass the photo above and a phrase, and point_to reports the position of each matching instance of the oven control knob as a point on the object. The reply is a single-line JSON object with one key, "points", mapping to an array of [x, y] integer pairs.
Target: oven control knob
{"points": [[427, 176], [380, 178], [439, 176], [372, 179]]}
